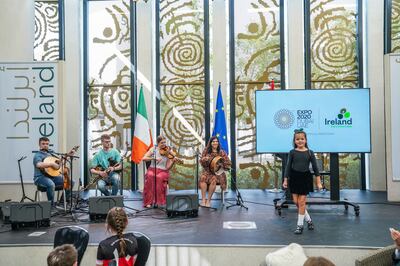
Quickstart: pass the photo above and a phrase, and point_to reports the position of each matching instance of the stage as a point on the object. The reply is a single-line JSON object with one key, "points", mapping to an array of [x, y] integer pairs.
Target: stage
{"points": [[334, 226]]}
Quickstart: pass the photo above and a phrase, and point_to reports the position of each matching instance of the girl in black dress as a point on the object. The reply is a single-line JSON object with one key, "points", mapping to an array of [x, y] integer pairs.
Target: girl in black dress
{"points": [[299, 177]]}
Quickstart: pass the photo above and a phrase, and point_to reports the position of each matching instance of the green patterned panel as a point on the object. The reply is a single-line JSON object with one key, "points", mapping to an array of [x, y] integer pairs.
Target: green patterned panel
{"points": [[257, 61], [46, 45], [334, 64], [182, 84], [109, 89], [396, 26]]}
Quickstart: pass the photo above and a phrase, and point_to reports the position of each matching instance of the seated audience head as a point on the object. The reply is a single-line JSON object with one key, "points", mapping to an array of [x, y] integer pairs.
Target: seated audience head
{"points": [[318, 261], [117, 220], [64, 255]]}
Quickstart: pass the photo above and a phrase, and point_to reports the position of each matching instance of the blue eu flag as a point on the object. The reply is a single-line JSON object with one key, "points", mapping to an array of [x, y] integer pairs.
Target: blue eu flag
{"points": [[220, 122]]}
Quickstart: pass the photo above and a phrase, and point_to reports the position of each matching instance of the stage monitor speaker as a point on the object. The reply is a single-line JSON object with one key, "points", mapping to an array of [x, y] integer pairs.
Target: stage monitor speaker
{"points": [[30, 214], [179, 204], [5, 210], [99, 206]]}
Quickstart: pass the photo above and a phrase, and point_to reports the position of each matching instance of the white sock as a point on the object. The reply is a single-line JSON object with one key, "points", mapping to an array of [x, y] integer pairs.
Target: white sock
{"points": [[300, 219], [307, 216]]}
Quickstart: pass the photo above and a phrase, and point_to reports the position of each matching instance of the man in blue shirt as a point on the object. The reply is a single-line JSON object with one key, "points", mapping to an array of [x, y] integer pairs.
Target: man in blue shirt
{"points": [[40, 179], [105, 164]]}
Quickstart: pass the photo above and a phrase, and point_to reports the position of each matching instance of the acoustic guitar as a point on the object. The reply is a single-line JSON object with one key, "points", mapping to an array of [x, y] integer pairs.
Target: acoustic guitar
{"points": [[112, 163], [52, 172]]}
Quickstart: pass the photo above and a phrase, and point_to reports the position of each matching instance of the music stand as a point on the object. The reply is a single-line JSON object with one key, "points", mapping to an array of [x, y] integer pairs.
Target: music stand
{"points": [[22, 181]]}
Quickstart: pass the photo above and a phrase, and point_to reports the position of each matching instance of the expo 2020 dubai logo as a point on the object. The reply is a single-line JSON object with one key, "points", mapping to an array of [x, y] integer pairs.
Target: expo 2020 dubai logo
{"points": [[283, 119]]}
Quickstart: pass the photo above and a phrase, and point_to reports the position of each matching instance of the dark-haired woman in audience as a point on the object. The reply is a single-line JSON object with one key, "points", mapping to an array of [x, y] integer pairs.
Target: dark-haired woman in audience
{"points": [[119, 248]]}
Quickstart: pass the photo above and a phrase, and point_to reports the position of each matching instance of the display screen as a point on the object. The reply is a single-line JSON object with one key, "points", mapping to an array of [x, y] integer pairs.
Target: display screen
{"points": [[335, 120]]}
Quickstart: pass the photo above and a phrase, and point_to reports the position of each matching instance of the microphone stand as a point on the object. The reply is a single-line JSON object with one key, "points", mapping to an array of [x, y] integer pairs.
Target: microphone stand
{"points": [[197, 171], [22, 181], [239, 199], [154, 184], [70, 161], [155, 206]]}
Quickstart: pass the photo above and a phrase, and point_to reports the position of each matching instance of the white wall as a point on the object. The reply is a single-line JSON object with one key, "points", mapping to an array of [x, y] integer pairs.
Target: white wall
{"points": [[145, 64], [17, 34], [295, 44], [392, 83], [72, 83], [374, 34]]}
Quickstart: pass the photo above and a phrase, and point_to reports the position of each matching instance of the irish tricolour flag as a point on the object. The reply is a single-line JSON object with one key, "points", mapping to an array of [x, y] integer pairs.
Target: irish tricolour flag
{"points": [[142, 140]]}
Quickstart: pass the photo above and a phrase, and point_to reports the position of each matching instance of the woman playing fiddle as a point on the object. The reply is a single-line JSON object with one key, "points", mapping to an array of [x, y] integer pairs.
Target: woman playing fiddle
{"points": [[209, 179], [162, 159]]}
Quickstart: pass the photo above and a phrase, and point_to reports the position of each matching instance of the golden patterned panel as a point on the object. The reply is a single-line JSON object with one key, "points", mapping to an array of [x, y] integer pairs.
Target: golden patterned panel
{"points": [[257, 58], [395, 26], [182, 84], [109, 92], [46, 45], [333, 44], [334, 62], [109, 36]]}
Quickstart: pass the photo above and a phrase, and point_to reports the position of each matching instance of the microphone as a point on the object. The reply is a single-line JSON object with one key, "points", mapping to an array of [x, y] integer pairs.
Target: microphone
{"points": [[22, 158]]}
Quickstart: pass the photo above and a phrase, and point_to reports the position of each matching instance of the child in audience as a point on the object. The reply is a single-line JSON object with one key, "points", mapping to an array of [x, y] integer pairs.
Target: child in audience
{"points": [[299, 177], [119, 249], [64, 255]]}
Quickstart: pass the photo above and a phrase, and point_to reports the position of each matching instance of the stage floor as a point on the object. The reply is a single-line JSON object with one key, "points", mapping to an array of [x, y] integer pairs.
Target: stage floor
{"points": [[333, 225]]}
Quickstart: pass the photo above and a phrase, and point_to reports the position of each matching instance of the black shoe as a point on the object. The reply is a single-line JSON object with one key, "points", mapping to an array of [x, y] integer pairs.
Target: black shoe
{"points": [[299, 230], [310, 225]]}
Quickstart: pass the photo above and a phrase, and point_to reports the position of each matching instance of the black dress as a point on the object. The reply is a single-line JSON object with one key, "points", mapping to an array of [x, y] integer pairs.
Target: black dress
{"points": [[298, 172]]}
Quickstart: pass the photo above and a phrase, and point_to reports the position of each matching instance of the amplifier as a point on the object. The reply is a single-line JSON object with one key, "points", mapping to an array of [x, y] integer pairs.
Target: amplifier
{"points": [[99, 206], [182, 204], [27, 214]]}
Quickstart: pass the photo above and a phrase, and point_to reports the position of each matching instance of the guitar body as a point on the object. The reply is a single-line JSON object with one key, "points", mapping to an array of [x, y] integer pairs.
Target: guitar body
{"points": [[51, 172], [62, 171]]}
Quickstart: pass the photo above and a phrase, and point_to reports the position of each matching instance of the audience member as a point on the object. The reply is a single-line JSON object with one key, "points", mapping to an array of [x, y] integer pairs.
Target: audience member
{"points": [[120, 248], [318, 261], [65, 255]]}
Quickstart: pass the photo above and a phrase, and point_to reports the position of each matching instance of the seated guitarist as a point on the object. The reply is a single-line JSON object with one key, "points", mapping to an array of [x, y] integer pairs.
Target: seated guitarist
{"points": [[107, 172], [40, 178]]}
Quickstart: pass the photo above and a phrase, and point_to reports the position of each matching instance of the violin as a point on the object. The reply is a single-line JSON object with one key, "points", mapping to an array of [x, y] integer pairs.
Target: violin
{"points": [[170, 154]]}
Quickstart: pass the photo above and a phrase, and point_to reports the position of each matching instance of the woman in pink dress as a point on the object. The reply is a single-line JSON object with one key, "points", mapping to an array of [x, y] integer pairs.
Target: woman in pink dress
{"points": [[158, 172]]}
